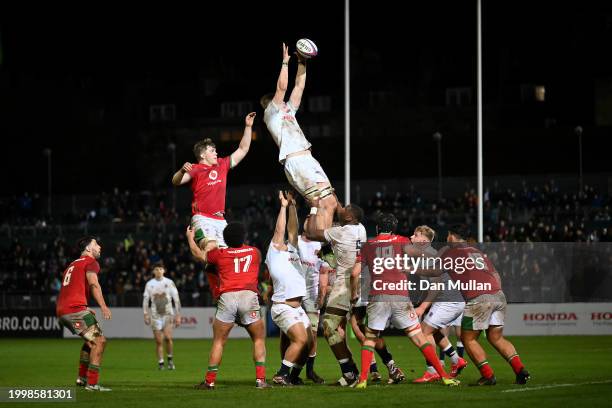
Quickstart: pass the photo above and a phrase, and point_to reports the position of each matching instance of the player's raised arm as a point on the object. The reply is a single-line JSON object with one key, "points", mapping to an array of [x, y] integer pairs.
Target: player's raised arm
{"points": [[292, 223], [196, 251], [182, 175], [96, 293], [281, 221], [313, 229], [323, 283], [283, 78], [300, 83], [245, 142]]}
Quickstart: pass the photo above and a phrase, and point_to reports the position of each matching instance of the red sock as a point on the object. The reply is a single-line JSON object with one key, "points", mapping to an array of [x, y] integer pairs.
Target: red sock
{"points": [[485, 369], [516, 363], [432, 358], [83, 366], [211, 374], [260, 370], [93, 373], [366, 359]]}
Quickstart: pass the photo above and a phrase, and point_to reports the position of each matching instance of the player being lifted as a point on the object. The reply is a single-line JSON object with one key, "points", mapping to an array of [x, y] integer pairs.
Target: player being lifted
{"points": [[288, 280], [445, 309], [78, 281], [345, 240], [388, 303], [303, 171], [484, 309], [238, 269], [208, 180], [159, 293]]}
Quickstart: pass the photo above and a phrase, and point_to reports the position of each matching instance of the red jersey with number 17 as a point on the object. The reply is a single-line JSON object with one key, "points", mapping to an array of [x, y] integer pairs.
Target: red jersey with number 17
{"points": [[74, 293], [208, 184], [238, 268]]}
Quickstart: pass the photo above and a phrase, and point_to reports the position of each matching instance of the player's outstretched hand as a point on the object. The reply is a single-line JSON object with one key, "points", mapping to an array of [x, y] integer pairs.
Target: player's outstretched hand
{"points": [[286, 55], [250, 118], [283, 200], [187, 167], [189, 232], [290, 197], [147, 320], [106, 313]]}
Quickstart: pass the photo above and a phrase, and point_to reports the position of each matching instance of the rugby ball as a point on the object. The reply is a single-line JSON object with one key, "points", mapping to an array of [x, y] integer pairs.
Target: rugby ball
{"points": [[306, 48]]}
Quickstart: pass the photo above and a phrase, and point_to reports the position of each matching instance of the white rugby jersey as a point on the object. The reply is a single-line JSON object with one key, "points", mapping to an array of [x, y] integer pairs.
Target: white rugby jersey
{"points": [[286, 272], [311, 264], [346, 242], [285, 130], [160, 293]]}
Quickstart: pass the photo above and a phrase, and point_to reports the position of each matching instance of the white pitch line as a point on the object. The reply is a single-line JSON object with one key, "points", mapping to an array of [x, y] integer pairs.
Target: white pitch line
{"points": [[557, 386]]}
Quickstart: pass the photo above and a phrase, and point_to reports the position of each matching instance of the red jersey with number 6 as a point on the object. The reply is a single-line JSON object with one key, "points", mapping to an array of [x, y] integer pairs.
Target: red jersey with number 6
{"points": [[74, 293], [238, 268], [208, 184]]}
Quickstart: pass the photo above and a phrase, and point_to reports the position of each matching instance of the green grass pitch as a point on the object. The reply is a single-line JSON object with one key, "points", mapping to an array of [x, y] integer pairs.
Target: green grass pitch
{"points": [[566, 372]]}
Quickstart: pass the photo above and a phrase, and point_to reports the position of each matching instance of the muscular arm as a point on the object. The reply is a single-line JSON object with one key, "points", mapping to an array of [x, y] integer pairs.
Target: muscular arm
{"points": [[279, 230], [96, 293], [323, 283], [300, 84], [245, 142], [313, 231], [283, 78], [182, 175], [198, 253], [292, 225]]}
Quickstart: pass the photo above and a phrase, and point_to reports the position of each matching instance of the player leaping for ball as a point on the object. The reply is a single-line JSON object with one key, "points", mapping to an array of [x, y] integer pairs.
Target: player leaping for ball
{"points": [[208, 178], [303, 171]]}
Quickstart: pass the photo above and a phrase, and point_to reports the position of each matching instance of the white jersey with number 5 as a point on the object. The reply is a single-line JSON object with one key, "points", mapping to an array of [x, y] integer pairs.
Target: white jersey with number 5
{"points": [[346, 242], [286, 272]]}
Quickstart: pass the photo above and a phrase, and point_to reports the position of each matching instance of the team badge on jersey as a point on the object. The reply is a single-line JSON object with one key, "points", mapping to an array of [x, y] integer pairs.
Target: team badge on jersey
{"points": [[213, 175]]}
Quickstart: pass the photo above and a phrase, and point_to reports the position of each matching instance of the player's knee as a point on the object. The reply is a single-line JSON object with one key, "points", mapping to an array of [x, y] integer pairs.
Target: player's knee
{"points": [[330, 329]]}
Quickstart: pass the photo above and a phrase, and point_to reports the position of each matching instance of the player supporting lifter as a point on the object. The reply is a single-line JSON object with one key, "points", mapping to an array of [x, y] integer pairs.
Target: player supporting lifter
{"points": [[303, 171], [288, 280], [238, 269], [313, 266], [484, 309], [389, 301], [208, 180], [445, 309], [159, 293], [78, 281], [345, 240]]}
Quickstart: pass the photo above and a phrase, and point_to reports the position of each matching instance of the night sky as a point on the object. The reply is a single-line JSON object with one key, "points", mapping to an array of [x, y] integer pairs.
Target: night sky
{"points": [[58, 72]]}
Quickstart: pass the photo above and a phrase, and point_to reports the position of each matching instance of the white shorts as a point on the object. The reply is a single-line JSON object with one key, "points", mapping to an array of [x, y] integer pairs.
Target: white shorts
{"points": [[340, 294], [303, 172], [484, 311], [209, 228], [401, 315], [286, 316], [238, 307], [161, 322], [444, 314]]}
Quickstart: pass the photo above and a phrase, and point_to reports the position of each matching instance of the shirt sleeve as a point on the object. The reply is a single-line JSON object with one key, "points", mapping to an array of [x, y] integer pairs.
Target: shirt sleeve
{"points": [[225, 164], [93, 266], [291, 108], [332, 234], [175, 297]]}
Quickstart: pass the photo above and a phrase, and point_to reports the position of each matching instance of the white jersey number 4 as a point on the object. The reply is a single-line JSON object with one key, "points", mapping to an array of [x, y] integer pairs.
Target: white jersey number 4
{"points": [[247, 262]]}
